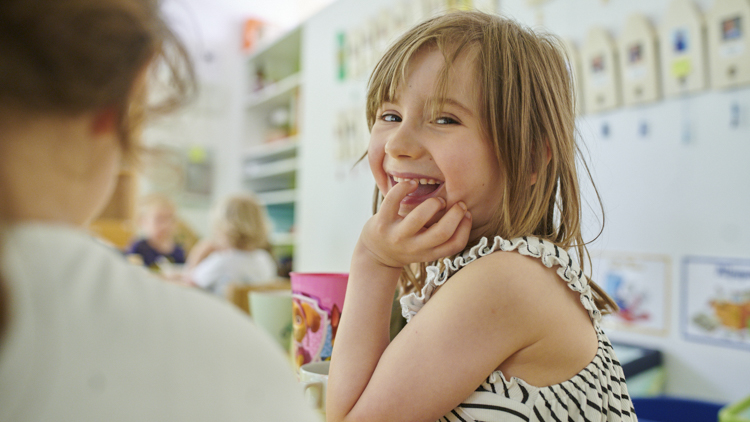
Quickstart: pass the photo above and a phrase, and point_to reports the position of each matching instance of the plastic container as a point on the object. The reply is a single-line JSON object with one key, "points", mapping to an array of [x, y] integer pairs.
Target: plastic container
{"points": [[317, 304], [674, 409]]}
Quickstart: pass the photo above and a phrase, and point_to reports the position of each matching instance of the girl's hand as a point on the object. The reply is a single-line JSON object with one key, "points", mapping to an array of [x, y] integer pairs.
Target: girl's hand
{"points": [[396, 241]]}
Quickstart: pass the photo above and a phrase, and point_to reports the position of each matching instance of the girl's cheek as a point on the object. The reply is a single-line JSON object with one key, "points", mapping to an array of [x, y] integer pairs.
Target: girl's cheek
{"points": [[375, 159]]}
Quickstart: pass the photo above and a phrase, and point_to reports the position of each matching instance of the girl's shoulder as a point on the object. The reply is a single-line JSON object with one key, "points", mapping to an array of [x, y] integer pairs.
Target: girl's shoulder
{"points": [[524, 259], [524, 273], [511, 278]]}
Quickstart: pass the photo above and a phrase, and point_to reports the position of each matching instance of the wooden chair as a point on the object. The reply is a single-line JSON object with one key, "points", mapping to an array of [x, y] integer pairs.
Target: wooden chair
{"points": [[237, 293]]}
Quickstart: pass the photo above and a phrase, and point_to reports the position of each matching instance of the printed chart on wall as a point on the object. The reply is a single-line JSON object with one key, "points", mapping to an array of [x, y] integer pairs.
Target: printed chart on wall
{"points": [[716, 300], [639, 284]]}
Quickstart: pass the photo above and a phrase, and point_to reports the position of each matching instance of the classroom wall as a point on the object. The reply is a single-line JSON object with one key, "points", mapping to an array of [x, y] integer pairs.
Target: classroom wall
{"points": [[661, 194]]}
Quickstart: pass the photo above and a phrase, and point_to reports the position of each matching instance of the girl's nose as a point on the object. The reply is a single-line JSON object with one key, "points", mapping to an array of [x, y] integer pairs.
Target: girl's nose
{"points": [[404, 143]]}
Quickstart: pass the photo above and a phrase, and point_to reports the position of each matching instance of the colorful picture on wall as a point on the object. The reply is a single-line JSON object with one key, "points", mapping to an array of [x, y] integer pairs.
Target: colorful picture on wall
{"points": [[680, 40], [597, 64], [731, 29], [716, 300], [639, 284], [635, 55]]}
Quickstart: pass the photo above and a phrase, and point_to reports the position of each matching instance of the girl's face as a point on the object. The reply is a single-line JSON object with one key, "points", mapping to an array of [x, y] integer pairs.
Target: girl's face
{"points": [[450, 155], [158, 222]]}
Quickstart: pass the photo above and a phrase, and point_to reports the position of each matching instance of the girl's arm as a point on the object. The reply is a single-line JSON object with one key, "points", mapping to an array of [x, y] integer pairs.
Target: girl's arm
{"points": [[199, 252], [445, 352], [498, 305], [387, 243]]}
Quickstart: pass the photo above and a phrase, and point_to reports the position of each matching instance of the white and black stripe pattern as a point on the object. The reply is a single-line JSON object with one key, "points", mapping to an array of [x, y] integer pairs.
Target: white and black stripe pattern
{"points": [[596, 394]]}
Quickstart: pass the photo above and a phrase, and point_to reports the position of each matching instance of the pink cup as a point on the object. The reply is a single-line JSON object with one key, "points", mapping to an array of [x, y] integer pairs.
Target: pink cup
{"points": [[317, 302]]}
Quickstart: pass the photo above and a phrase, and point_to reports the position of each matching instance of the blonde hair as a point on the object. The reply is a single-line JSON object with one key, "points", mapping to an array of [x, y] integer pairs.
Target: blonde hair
{"points": [[243, 221], [154, 200], [68, 57], [527, 104]]}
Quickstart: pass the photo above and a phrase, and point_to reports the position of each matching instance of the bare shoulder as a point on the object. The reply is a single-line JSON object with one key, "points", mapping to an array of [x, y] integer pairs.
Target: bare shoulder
{"points": [[510, 273], [531, 309], [517, 285]]}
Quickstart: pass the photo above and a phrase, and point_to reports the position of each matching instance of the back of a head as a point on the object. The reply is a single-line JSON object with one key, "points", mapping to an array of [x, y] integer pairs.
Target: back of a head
{"points": [[73, 56], [241, 221], [69, 57]]}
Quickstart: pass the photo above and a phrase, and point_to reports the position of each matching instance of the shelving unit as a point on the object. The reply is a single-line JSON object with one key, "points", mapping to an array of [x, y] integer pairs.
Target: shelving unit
{"points": [[269, 158]]}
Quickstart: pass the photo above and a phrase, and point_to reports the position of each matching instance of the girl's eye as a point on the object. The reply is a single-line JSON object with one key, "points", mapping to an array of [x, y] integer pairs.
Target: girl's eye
{"points": [[446, 121], [390, 118]]}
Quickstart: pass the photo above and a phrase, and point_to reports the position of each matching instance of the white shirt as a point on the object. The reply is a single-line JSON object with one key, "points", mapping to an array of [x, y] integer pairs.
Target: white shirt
{"points": [[93, 338], [234, 266]]}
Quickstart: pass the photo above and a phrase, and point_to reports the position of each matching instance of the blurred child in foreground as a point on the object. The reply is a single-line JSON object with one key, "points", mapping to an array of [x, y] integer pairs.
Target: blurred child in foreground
{"points": [[84, 336]]}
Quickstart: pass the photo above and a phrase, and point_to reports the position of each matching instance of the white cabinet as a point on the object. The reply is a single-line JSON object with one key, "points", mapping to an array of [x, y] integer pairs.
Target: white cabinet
{"points": [[270, 135]]}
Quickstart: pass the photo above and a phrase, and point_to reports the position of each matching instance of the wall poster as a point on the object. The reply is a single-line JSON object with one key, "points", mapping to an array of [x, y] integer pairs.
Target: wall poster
{"points": [[640, 285], [716, 300]]}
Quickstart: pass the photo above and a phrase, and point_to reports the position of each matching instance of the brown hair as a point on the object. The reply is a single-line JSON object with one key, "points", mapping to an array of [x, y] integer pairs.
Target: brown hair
{"points": [[243, 221], [72, 56], [527, 100]]}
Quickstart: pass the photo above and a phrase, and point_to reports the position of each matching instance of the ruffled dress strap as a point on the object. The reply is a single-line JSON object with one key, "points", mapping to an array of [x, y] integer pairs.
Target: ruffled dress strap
{"points": [[550, 254]]}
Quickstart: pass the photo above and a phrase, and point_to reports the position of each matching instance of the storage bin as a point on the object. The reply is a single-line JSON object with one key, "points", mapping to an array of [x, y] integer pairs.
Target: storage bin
{"points": [[674, 409]]}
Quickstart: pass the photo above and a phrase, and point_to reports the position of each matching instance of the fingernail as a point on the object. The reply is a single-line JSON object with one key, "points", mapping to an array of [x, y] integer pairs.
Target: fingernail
{"points": [[467, 215], [462, 205], [442, 200], [412, 181]]}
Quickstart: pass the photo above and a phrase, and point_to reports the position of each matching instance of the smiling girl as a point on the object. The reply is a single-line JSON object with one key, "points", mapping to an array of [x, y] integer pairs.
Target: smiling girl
{"points": [[473, 150]]}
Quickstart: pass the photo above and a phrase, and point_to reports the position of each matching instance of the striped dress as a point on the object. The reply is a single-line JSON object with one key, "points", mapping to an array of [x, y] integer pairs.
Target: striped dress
{"points": [[597, 393]]}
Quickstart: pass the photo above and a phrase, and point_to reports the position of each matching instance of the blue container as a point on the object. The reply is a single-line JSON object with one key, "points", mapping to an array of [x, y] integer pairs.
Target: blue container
{"points": [[673, 409]]}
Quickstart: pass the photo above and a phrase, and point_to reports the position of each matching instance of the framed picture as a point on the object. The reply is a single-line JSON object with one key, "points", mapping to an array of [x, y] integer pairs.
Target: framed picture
{"points": [[716, 300], [640, 285]]}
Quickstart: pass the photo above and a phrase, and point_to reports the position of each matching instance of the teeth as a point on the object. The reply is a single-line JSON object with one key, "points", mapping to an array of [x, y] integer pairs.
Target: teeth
{"points": [[421, 181]]}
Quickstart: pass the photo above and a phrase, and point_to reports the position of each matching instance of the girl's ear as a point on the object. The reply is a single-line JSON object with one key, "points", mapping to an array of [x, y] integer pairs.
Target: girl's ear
{"points": [[104, 121], [546, 162]]}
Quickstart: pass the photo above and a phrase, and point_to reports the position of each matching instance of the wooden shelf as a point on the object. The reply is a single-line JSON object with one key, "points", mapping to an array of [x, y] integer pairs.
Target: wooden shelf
{"points": [[279, 91], [282, 148], [254, 171], [269, 169], [285, 47]]}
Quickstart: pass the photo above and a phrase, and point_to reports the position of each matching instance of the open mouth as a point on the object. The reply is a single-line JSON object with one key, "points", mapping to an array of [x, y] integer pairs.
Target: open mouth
{"points": [[425, 189]]}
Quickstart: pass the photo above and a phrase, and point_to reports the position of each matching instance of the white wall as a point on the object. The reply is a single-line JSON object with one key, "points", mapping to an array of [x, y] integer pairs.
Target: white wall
{"points": [[334, 199], [661, 195]]}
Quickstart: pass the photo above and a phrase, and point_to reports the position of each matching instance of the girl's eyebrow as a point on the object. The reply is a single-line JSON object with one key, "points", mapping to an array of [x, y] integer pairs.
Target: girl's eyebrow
{"points": [[454, 103]]}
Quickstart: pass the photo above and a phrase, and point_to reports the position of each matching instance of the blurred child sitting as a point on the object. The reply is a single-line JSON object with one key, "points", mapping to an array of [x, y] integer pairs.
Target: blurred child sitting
{"points": [[156, 224], [238, 252]]}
